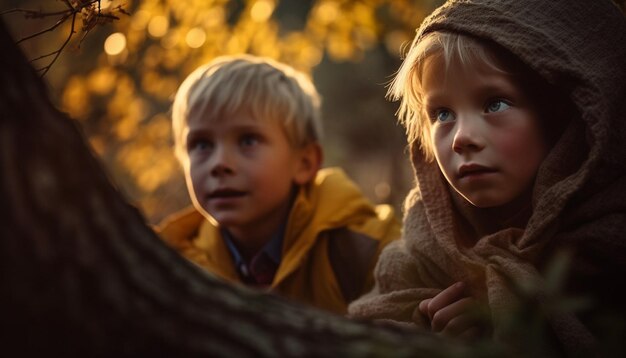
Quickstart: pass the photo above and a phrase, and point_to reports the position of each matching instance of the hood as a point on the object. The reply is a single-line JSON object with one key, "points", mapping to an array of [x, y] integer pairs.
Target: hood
{"points": [[578, 46]]}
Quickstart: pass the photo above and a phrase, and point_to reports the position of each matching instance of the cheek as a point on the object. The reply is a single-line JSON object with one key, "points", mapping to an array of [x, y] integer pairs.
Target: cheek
{"points": [[510, 144], [436, 141], [194, 177], [441, 143], [524, 147]]}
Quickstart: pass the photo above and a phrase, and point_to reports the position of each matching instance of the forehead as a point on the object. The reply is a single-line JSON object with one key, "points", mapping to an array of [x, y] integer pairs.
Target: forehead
{"points": [[206, 121], [438, 76], [235, 123]]}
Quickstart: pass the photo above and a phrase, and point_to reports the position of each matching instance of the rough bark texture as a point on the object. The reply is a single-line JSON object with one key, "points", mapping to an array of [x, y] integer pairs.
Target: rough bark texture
{"points": [[83, 274]]}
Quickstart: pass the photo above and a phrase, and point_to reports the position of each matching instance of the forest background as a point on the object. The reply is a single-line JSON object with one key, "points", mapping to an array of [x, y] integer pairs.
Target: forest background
{"points": [[118, 80]]}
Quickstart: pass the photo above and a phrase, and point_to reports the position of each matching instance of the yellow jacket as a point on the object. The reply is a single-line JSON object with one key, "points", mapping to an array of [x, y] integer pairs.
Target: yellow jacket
{"points": [[332, 241]]}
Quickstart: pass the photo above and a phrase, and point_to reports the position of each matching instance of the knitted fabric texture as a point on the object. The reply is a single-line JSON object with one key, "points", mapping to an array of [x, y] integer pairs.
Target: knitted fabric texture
{"points": [[579, 198]]}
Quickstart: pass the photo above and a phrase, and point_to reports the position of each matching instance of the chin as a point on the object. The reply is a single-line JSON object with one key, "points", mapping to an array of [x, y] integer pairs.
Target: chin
{"points": [[484, 202], [225, 221], [208, 216]]}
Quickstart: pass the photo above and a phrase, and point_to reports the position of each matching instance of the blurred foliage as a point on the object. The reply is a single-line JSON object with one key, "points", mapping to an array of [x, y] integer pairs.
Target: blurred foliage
{"points": [[120, 84]]}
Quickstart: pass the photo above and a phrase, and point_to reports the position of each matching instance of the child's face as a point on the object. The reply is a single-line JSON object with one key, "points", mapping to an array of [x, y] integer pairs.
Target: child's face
{"points": [[485, 131], [241, 171]]}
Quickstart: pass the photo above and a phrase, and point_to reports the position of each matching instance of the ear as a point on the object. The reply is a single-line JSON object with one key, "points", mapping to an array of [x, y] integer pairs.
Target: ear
{"points": [[308, 164]]}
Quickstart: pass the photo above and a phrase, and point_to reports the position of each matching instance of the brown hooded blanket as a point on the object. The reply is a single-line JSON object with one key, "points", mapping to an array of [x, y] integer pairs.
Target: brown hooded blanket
{"points": [[579, 198]]}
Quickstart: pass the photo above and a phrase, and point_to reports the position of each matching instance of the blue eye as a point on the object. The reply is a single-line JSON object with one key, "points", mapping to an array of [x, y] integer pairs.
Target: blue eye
{"points": [[248, 140], [497, 106], [443, 115], [200, 145]]}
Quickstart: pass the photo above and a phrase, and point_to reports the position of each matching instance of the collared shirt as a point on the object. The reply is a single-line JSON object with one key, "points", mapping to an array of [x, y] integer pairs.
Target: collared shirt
{"points": [[263, 265]]}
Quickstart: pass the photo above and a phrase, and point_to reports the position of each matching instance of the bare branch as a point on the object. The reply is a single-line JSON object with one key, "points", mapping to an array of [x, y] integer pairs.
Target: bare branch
{"points": [[69, 5], [34, 14], [93, 17], [82, 38], [121, 9], [57, 24], [44, 56], [58, 52]]}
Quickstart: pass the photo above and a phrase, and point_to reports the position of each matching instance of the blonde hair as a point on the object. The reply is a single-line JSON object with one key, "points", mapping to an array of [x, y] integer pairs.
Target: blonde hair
{"points": [[407, 84], [260, 86]]}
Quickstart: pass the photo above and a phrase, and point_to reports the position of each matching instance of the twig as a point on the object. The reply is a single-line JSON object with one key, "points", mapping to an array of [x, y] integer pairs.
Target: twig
{"points": [[44, 56], [35, 14], [62, 20], [69, 5], [93, 18], [82, 38], [58, 52]]}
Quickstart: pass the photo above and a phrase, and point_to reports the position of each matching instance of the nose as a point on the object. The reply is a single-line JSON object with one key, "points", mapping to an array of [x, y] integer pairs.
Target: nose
{"points": [[222, 162], [469, 136]]}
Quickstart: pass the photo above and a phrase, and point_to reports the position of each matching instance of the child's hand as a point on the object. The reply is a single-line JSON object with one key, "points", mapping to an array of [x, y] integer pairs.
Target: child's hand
{"points": [[453, 313]]}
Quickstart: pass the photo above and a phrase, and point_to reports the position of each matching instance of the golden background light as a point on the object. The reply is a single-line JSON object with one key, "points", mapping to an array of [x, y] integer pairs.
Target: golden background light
{"points": [[115, 44], [195, 37], [348, 47], [140, 20], [328, 12], [105, 4], [262, 10], [158, 26]]}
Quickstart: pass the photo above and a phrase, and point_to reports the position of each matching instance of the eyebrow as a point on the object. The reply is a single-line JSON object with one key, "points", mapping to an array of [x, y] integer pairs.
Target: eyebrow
{"points": [[499, 85], [434, 97], [492, 86], [204, 129], [196, 131]]}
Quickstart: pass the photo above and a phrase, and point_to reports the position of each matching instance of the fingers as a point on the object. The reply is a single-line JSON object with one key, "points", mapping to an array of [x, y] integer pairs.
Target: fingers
{"points": [[423, 307], [443, 299], [452, 313], [465, 327], [454, 318]]}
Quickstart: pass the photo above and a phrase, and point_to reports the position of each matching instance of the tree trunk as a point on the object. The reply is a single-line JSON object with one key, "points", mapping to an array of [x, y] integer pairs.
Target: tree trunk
{"points": [[82, 272]]}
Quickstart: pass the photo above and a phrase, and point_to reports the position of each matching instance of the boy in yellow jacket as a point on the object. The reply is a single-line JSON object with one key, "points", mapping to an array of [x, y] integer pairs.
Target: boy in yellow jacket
{"points": [[247, 131]]}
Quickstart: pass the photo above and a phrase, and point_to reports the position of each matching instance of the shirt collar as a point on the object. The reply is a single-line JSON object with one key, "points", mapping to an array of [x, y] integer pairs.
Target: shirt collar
{"points": [[273, 248]]}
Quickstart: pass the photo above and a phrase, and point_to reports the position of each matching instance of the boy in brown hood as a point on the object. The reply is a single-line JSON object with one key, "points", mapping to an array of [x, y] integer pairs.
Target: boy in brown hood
{"points": [[514, 112]]}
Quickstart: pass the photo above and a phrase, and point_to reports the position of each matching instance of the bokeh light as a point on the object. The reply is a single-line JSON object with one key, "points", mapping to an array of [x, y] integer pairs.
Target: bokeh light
{"points": [[158, 26], [328, 12], [262, 10], [115, 44], [195, 37]]}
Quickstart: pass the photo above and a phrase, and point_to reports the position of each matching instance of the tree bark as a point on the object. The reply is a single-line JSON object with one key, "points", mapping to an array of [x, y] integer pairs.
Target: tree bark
{"points": [[83, 274]]}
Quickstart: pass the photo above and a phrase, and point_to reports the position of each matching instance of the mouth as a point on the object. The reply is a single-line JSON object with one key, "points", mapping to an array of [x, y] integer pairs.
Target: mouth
{"points": [[226, 193], [469, 170]]}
